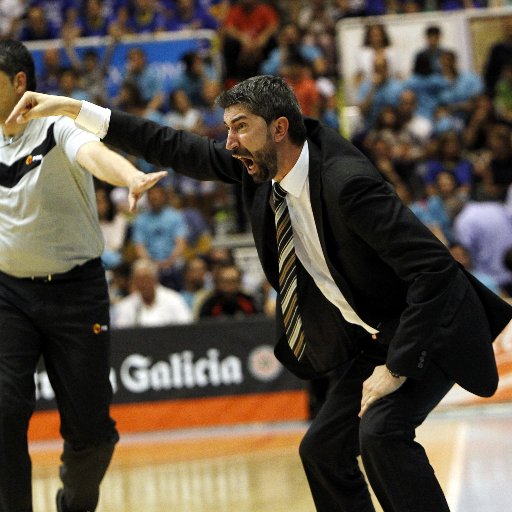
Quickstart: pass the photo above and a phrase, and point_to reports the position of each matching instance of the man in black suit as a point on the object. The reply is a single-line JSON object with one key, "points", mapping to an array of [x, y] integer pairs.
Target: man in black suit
{"points": [[383, 304]]}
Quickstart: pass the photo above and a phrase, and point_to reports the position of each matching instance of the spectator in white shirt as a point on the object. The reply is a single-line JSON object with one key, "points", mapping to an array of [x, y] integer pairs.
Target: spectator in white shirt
{"points": [[149, 304]]}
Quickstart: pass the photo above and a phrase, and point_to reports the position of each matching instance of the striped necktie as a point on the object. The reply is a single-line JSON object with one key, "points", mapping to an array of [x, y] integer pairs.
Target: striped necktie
{"points": [[288, 274]]}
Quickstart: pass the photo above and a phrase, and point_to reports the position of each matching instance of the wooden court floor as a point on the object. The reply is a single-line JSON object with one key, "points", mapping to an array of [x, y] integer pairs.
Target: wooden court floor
{"points": [[256, 468]]}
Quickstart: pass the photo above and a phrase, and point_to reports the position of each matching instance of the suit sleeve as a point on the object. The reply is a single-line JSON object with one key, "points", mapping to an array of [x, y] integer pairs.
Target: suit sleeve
{"points": [[187, 153], [376, 215]]}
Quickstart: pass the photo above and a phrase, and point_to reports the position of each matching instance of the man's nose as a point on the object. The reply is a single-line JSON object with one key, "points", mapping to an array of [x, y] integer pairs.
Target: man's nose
{"points": [[231, 141]]}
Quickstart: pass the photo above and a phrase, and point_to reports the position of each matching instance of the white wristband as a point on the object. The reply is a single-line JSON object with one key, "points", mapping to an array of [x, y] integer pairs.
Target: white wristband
{"points": [[93, 118]]}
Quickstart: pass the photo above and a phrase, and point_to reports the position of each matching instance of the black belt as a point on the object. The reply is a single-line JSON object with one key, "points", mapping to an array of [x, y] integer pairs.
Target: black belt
{"points": [[65, 276]]}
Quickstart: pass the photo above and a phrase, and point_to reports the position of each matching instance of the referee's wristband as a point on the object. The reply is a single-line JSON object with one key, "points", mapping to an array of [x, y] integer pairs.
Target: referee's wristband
{"points": [[93, 118]]}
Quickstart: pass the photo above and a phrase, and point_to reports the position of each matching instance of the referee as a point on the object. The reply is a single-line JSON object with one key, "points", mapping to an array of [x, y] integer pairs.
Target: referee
{"points": [[53, 295]]}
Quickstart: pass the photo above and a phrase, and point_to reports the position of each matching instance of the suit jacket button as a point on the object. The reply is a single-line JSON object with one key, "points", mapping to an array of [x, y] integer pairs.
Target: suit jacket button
{"points": [[420, 365], [423, 352]]}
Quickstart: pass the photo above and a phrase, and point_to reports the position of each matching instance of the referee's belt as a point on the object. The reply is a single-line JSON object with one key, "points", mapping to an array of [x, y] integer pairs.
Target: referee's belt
{"points": [[76, 272]]}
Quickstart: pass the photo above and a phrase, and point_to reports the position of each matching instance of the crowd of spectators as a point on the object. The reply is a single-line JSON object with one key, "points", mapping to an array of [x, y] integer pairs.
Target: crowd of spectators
{"points": [[441, 136]]}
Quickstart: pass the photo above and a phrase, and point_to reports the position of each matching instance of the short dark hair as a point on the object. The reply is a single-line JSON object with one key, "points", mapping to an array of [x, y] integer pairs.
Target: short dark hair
{"points": [[432, 30], [15, 57], [269, 97]]}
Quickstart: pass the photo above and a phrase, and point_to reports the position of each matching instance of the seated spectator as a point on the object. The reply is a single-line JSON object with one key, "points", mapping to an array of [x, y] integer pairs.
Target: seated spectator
{"points": [[481, 119], [462, 87], [433, 48], [93, 20], [495, 167], [248, 32], [450, 193], [145, 17], [227, 300], [49, 76], [195, 74], [212, 116], [417, 125], [289, 43], [36, 26], [189, 15], [449, 159], [444, 121], [298, 75], [145, 77], [114, 227], [498, 56], [378, 92], [328, 105], [376, 44], [427, 85], [182, 116], [317, 20], [11, 12], [193, 288], [462, 256], [69, 85], [159, 234], [485, 229], [149, 304], [503, 95]]}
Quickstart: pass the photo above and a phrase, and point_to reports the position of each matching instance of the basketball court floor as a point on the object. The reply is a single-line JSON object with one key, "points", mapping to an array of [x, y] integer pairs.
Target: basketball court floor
{"points": [[256, 468]]}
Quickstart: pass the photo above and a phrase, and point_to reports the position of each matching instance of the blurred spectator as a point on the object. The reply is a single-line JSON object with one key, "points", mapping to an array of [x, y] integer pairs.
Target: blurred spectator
{"points": [[182, 116], [69, 85], [317, 21], [429, 210], [149, 304], [485, 229], [114, 227], [227, 298], [194, 75], [445, 121], [449, 158], [145, 17], [449, 192], [328, 104], [11, 12], [57, 12], [454, 5], [297, 73], [288, 44], [378, 92], [419, 126], [400, 147], [427, 85], [36, 26], [499, 55], [433, 48], [463, 86], [462, 256], [218, 9], [91, 68], [495, 166], [193, 289], [159, 234], [119, 283], [376, 45], [93, 20], [188, 14], [248, 36], [482, 118], [145, 77], [212, 115], [49, 76], [503, 94]]}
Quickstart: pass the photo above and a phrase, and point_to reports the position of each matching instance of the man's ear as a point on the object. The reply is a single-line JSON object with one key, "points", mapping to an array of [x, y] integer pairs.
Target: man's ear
{"points": [[20, 82], [280, 128]]}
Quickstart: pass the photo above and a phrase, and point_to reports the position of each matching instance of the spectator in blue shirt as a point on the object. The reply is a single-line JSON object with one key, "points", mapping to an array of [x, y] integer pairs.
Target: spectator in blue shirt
{"points": [[160, 234], [188, 15], [37, 26], [145, 18]]}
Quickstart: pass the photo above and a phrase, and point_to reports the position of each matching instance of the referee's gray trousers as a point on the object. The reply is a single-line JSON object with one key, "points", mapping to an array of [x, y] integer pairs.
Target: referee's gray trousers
{"points": [[66, 321]]}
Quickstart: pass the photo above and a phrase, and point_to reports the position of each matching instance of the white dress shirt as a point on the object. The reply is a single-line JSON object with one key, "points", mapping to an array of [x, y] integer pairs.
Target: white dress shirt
{"points": [[306, 240]]}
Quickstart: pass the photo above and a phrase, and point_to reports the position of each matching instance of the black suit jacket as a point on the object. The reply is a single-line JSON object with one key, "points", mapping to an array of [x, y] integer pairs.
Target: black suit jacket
{"points": [[395, 274]]}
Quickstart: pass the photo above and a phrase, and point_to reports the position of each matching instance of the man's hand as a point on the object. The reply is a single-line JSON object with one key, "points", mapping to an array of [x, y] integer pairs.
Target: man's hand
{"points": [[379, 384], [140, 183], [35, 104]]}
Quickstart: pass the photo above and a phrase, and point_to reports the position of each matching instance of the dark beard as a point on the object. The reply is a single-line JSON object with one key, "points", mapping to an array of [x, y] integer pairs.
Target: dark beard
{"points": [[266, 159]]}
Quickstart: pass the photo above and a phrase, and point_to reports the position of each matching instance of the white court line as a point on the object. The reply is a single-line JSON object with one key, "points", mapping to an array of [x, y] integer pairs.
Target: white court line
{"points": [[455, 482]]}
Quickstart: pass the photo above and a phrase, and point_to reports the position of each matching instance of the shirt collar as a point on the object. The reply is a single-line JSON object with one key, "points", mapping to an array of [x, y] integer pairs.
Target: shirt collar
{"points": [[295, 180]]}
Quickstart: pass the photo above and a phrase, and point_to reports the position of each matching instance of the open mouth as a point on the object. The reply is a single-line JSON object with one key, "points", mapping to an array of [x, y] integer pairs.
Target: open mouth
{"points": [[248, 162]]}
